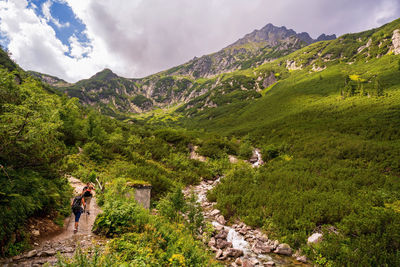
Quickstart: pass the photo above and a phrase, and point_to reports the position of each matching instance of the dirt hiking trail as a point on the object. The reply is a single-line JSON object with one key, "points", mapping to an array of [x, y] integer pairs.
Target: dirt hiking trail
{"points": [[66, 241]]}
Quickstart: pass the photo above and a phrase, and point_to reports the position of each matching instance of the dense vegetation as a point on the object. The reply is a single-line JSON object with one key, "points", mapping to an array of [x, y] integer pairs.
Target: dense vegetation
{"points": [[330, 140], [328, 130]]}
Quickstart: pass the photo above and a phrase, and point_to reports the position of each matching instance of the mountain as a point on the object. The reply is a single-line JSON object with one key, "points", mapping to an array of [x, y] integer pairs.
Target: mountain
{"points": [[113, 95], [49, 79], [253, 49]]}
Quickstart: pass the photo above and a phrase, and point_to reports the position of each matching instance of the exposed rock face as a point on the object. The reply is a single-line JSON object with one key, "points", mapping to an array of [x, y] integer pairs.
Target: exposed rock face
{"points": [[270, 80], [291, 65], [324, 37], [314, 238], [396, 42]]}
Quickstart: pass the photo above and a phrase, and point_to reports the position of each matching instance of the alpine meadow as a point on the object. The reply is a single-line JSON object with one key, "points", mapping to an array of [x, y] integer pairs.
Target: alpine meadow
{"points": [[277, 150]]}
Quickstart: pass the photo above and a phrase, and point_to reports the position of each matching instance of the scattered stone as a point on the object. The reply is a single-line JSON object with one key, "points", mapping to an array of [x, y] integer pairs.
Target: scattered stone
{"points": [[17, 258], [314, 238], [283, 249], [302, 259], [31, 253], [270, 263], [215, 212], [47, 253], [221, 220], [219, 228], [234, 253], [218, 254], [263, 238], [212, 242], [275, 244], [222, 244], [36, 233], [261, 248], [222, 235], [238, 261]]}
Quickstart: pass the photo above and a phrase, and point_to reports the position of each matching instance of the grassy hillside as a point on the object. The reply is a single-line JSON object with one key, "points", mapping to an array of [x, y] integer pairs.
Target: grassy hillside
{"points": [[331, 141]]}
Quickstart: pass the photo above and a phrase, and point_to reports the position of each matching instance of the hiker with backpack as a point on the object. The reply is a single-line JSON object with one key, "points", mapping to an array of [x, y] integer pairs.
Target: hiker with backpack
{"points": [[77, 209], [87, 195]]}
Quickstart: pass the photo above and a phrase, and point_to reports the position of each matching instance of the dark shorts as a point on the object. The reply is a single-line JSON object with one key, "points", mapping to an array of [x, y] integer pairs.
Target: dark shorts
{"points": [[77, 215]]}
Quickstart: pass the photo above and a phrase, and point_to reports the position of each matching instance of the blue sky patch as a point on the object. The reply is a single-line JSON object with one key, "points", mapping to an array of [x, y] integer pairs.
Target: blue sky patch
{"points": [[68, 24]]}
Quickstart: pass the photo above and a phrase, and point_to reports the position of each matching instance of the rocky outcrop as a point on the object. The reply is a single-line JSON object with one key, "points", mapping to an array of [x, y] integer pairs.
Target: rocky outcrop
{"points": [[270, 80], [314, 238], [396, 42], [291, 65]]}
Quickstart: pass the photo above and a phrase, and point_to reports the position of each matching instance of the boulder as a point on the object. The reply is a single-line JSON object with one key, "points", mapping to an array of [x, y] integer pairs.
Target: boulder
{"points": [[50, 252], [250, 262], [215, 212], [275, 244], [31, 253], [234, 253], [283, 249], [221, 220], [212, 242], [222, 244], [261, 248], [221, 235], [238, 261], [35, 232], [302, 259], [314, 238], [218, 254]]}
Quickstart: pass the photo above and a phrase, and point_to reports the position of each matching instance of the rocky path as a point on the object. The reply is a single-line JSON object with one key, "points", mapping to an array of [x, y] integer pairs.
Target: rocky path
{"points": [[239, 244], [66, 242]]}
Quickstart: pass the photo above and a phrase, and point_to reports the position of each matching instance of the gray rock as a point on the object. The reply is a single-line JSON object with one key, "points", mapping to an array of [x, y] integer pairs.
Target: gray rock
{"points": [[218, 254], [234, 253], [261, 248], [35, 232], [222, 244], [222, 235], [396, 42], [221, 220], [215, 212], [31, 253], [212, 242], [302, 259], [314, 238], [283, 249], [50, 252]]}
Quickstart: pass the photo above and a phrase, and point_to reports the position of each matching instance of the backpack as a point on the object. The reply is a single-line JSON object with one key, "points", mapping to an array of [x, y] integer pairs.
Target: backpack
{"points": [[76, 205], [88, 192]]}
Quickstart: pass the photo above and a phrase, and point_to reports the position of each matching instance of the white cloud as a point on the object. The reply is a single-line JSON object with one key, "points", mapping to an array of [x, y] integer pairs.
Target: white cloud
{"points": [[139, 37], [47, 14]]}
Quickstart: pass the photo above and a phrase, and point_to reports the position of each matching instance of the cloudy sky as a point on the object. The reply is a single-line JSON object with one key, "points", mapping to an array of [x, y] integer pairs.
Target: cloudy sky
{"points": [[73, 39]]}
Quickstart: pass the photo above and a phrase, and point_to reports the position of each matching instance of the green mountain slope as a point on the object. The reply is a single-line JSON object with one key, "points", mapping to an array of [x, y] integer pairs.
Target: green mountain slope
{"points": [[329, 131], [114, 95]]}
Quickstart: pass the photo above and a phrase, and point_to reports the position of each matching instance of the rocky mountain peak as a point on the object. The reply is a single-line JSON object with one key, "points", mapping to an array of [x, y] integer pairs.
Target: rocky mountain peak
{"points": [[324, 37], [105, 74]]}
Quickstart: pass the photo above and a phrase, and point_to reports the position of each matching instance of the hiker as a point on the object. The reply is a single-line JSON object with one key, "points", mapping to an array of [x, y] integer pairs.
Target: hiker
{"points": [[87, 195], [76, 206]]}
